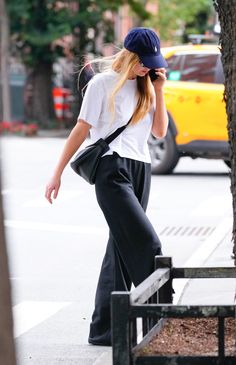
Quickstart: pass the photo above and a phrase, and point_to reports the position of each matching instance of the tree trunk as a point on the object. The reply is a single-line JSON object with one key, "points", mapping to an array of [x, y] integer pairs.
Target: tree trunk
{"points": [[38, 95], [4, 54], [227, 16], [7, 351]]}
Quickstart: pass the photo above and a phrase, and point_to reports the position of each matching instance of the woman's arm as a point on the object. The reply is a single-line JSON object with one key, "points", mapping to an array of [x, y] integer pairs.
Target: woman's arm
{"points": [[160, 118], [73, 142]]}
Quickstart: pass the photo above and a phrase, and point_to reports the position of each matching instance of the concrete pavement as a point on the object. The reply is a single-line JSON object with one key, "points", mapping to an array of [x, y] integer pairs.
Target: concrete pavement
{"points": [[56, 253], [213, 291], [207, 291]]}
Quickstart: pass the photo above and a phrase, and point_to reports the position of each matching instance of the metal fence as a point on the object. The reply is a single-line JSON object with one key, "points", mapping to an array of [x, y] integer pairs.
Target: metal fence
{"points": [[151, 302]]}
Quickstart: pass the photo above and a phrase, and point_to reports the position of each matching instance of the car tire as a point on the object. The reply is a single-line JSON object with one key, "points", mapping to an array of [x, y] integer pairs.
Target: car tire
{"points": [[164, 154]]}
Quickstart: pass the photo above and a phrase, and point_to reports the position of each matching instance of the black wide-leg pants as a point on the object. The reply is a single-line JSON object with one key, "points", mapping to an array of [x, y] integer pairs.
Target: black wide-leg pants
{"points": [[122, 189]]}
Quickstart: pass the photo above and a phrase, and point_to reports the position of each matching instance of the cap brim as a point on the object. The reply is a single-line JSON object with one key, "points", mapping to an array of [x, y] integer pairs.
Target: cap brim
{"points": [[153, 61]]}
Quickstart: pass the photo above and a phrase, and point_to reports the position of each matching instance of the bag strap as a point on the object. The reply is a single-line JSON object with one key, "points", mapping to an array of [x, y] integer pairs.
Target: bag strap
{"points": [[115, 134]]}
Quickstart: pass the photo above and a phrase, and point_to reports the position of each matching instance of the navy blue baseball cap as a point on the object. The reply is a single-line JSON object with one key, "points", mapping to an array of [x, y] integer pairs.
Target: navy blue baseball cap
{"points": [[146, 44]]}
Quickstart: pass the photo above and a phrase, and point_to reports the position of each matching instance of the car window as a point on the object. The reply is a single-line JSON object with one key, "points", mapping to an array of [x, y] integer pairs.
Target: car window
{"points": [[199, 67], [173, 70]]}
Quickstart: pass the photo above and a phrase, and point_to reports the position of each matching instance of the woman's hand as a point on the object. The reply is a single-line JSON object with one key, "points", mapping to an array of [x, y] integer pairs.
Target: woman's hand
{"points": [[160, 81], [53, 185]]}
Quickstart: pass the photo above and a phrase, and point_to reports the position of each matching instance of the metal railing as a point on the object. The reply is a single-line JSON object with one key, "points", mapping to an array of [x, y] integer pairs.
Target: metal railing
{"points": [[151, 303]]}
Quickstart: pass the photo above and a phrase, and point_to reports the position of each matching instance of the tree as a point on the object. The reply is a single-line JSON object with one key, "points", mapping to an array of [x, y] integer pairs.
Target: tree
{"points": [[174, 16], [227, 16], [7, 351], [37, 25], [4, 54]]}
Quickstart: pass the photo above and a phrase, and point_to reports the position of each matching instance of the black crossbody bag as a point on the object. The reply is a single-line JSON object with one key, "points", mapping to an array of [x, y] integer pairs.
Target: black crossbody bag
{"points": [[86, 161]]}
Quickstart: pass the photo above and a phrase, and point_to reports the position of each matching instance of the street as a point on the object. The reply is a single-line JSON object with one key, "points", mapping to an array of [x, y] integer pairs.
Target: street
{"points": [[55, 252]]}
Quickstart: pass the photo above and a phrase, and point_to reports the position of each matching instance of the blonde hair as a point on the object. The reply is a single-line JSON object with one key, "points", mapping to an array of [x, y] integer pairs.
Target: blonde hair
{"points": [[123, 63], [96, 65]]}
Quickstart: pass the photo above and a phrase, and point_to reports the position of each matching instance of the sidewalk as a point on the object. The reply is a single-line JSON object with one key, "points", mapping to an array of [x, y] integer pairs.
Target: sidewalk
{"points": [[213, 291], [203, 291]]}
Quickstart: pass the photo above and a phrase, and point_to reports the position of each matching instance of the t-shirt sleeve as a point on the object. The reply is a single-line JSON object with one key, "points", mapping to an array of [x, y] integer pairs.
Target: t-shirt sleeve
{"points": [[92, 102]]}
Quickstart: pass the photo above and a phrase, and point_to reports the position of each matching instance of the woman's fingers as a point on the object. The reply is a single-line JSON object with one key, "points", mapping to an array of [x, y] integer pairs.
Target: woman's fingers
{"points": [[48, 194], [161, 76], [55, 192], [161, 72], [52, 188], [160, 81]]}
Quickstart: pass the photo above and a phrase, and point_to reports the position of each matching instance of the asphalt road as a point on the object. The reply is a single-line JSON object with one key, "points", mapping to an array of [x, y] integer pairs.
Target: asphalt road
{"points": [[55, 251]]}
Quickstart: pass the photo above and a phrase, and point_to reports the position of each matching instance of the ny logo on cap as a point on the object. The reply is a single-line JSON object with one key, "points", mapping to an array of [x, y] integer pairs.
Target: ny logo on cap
{"points": [[155, 49]]}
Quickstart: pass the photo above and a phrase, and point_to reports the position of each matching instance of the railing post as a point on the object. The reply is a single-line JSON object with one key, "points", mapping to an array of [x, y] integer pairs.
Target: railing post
{"points": [[221, 339], [166, 291], [121, 346]]}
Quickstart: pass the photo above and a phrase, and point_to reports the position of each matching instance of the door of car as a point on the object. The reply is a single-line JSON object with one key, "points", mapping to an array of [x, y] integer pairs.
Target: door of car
{"points": [[194, 96]]}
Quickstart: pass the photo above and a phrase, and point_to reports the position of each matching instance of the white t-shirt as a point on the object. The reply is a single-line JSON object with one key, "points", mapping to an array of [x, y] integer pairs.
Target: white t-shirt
{"points": [[132, 142]]}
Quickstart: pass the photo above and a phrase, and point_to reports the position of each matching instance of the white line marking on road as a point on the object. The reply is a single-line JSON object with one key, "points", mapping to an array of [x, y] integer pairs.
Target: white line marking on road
{"points": [[200, 256], [29, 314], [40, 226], [39, 200], [18, 191]]}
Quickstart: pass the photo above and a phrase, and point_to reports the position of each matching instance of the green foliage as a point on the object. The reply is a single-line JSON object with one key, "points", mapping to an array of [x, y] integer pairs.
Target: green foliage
{"points": [[139, 9], [38, 31], [37, 24], [175, 15]]}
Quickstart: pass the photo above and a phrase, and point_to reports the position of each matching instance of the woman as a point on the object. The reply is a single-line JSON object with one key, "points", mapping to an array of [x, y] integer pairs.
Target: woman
{"points": [[124, 173]]}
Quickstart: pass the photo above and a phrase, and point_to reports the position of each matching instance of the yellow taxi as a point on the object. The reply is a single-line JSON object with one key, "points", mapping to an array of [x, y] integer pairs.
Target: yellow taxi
{"points": [[194, 100]]}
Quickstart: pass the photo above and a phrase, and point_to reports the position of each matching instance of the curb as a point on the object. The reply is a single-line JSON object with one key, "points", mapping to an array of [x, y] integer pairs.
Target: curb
{"points": [[105, 358], [54, 133], [202, 254]]}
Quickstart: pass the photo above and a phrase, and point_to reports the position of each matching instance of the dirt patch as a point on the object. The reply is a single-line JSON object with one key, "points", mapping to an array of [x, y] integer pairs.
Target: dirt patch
{"points": [[192, 336]]}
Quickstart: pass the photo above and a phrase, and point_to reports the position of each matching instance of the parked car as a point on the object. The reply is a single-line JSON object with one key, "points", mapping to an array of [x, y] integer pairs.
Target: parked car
{"points": [[194, 100]]}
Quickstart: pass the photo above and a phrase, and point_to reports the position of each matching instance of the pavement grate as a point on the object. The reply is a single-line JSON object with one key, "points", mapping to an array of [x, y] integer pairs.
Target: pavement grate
{"points": [[188, 231]]}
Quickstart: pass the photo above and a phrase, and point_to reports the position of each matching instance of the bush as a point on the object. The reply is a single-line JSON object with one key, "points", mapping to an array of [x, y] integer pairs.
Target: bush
{"points": [[18, 128]]}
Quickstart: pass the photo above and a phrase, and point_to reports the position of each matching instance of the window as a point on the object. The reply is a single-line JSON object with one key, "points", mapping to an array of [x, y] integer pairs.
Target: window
{"points": [[199, 67], [174, 67]]}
